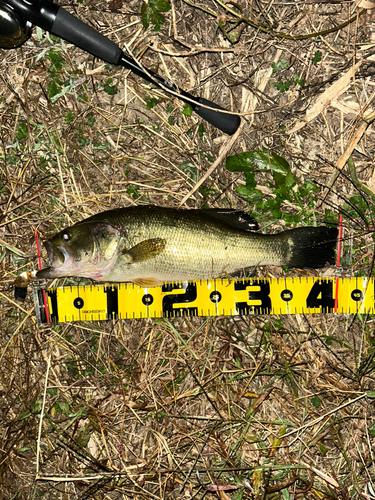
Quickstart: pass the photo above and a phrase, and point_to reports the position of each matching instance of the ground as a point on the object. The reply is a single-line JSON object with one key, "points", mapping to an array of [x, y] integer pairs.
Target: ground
{"points": [[244, 407]]}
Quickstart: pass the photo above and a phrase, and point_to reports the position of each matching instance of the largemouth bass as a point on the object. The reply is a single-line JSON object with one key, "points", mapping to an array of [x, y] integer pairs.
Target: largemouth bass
{"points": [[148, 245]]}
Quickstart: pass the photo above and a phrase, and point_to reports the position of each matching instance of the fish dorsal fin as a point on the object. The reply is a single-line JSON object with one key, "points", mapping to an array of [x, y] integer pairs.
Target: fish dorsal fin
{"points": [[147, 282], [232, 217], [146, 250]]}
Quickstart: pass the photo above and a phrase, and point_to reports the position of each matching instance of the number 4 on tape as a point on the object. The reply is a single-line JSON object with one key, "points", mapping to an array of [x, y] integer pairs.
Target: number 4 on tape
{"points": [[208, 298]]}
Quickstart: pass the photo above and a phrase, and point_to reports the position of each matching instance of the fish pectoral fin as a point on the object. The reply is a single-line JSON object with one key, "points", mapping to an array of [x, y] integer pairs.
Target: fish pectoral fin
{"points": [[147, 282], [146, 250]]}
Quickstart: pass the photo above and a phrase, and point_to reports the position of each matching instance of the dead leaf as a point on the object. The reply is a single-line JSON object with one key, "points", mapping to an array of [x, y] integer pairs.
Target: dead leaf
{"points": [[371, 182], [325, 99], [365, 4], [115, 5]]}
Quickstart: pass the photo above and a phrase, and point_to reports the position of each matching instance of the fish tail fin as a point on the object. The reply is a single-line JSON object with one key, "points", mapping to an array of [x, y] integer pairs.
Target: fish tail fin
{"points": [[312, 246]]}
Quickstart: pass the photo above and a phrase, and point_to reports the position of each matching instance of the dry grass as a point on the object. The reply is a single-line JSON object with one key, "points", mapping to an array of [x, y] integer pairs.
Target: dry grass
{"points": [[239, 408]]}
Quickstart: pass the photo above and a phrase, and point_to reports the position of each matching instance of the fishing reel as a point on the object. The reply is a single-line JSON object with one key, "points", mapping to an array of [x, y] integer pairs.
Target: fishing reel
{"points": [[17, 18], [15, 29]]}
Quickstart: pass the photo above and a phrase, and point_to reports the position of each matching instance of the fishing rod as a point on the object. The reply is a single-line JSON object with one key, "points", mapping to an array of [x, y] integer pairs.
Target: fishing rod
{"points": [[17, 18]]}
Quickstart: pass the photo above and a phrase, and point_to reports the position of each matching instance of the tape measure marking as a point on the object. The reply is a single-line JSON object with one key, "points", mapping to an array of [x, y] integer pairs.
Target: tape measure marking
{"points": [[219, 297]]}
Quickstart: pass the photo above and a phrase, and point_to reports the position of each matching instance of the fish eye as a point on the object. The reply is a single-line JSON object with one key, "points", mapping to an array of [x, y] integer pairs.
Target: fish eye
{"points": [[66, 237]]}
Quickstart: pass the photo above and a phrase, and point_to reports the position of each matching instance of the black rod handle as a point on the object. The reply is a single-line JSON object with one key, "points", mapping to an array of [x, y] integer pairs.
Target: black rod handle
{"points": [[226, 122], [75, 31]]}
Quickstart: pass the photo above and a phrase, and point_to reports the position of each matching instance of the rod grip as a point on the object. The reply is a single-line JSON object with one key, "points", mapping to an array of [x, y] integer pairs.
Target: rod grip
{"points": [[75, 31], [223, 121]]}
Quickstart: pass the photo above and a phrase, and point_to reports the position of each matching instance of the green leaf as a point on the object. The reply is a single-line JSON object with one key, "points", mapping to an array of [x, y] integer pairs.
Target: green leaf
{"points": [[277, 213], [83, 437], [279, 66], [284, 422], [192, 169], [299, 81], [234, 35], [258, 160], [37, 405], [283, 86], [244, 191], [24, 415], [316, 402], [69, 117], [188, 110], [157, 20], [160, 5], [79, 414], [110, 89], [150, 13], [54, 88], [145, 15], [60, 407], [285, 494], [250, 180], [249, 162], [283, 63], [282, 180], [323, 450], [317, 57], [201, 132], [22, 450], [90, 119], [56, 61], [83, 141], [151, 102], [22, 131]]}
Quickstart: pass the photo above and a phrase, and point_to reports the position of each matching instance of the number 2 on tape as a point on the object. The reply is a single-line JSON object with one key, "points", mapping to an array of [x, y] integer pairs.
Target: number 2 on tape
{"points": [[173, 299]]}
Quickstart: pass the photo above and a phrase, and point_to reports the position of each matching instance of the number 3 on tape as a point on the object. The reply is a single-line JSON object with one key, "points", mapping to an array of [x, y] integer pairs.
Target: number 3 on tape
{"points": [[259, 300]]}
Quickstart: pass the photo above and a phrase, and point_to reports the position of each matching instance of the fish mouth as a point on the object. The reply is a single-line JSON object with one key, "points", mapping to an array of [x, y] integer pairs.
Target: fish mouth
{"points": [[60, 262]]}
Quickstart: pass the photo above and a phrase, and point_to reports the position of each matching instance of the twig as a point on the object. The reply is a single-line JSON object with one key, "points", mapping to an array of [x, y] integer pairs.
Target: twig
{"points": [[279, 34]]}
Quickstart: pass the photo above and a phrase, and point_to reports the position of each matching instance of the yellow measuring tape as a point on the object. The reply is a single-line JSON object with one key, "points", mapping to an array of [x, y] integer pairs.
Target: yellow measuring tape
{"points": [[219, 297]]}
